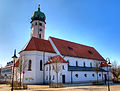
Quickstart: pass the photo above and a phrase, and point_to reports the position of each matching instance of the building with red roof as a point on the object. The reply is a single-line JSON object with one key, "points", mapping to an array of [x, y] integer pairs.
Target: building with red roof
{"points": [[55, 59]]}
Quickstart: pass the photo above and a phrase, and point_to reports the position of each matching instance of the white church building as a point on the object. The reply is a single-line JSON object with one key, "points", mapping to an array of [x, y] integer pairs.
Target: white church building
{"points": [[57, 60]]}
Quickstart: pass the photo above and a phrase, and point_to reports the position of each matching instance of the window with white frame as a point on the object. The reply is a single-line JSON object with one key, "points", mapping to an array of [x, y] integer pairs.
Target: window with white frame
{"points": [[50, 68], [40, 64], [53, 77], [29, 65], [76, 63], [53, 67], [46, 77], [99, 74], [83, 64], [76, 75], [63, 67], [85, 75], [90, 64], [93, 75]]}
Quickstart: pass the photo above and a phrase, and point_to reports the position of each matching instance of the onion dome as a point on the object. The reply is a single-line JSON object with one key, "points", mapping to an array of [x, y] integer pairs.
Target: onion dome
{"points": [[38, 15]]}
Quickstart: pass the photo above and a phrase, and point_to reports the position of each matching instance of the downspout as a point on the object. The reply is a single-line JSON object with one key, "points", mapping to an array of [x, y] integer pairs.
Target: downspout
{"points": [[43, 68], [49, 75]]}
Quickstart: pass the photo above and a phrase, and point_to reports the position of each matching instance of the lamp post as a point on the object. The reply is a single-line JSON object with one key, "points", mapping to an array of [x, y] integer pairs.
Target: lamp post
{"points": [[108, 65], [14, 57]]}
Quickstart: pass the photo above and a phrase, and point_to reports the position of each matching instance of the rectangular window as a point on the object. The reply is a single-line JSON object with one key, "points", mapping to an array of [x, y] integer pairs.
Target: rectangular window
{"points": [[53, 77], [50, 77], [39, 35], [46, 77], [63, 67], [40, 24], [29, 65], [53, 67], [40, 64], [50, 68]]}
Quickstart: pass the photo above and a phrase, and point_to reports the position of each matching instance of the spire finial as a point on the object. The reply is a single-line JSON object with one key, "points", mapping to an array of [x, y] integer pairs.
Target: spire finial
{"points": [[38, 7], [14, 54]]}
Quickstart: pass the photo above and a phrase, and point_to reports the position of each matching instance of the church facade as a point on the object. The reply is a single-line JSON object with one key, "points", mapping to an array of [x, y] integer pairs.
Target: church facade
{"points": [[57, 60]]}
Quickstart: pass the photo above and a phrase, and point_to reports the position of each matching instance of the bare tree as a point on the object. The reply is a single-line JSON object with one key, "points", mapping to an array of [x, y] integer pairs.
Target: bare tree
{"points": [[21, 69], [57, 66], [115, 71]]}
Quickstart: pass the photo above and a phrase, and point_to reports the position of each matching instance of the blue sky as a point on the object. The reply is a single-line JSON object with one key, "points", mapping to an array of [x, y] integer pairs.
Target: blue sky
{"points": [[90, 22]]}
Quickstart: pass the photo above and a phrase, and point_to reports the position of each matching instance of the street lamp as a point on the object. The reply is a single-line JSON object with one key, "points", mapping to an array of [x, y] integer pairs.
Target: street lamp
{"points": [[108, 65], [14, 57]]}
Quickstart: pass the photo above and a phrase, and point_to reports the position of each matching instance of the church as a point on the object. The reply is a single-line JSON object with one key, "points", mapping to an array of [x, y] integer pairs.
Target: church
{"points": [[57, 60]]}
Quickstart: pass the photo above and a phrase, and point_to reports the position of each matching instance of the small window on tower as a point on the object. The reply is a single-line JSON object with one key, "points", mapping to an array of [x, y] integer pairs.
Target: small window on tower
{"points": [[35, 23], [40, 29], [39, 35], [40, 24]]}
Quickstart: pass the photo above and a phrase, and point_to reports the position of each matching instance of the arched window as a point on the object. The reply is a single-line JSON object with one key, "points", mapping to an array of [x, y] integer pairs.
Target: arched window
{"points": [[63, 67], [39, 35], [35, 23], [29, 65], [76, 75], [40, 64], [84, 64], [76, 63], [85, 75]]}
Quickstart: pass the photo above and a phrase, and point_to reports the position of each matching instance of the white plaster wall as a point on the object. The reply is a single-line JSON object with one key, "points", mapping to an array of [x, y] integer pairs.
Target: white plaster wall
{"points": [[36, 74], [35, 29], [26, 56], [38, 77], [61, 72], [72, 61], [82, 78]]}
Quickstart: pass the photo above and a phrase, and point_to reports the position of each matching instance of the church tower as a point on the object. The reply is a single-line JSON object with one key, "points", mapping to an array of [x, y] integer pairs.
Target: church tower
{"points": [[38, 24]]}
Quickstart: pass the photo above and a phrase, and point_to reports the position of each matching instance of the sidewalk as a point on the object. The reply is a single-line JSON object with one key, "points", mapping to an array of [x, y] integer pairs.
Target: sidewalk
{"points": [[72, 87]]}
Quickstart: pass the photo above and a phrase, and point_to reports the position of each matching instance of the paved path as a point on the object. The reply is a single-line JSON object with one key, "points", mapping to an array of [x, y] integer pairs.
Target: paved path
{"points": [[70, 88]]}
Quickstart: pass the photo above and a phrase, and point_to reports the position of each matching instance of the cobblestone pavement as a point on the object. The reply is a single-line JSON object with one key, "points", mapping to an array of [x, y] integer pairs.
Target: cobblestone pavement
{"points": [[4, 87]]}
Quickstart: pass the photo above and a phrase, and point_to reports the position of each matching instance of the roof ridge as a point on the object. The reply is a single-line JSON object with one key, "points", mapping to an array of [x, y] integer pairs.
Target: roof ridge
{"points": [[72, 42]]}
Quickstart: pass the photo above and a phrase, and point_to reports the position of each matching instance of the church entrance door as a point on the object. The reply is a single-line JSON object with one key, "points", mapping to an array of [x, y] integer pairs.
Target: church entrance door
{"points": [[63, 78]]}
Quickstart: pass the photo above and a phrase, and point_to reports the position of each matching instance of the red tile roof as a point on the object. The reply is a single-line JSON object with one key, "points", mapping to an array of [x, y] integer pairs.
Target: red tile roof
{"points": [[39, 44], [56, 59], [68, 48], [104, 64]]}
